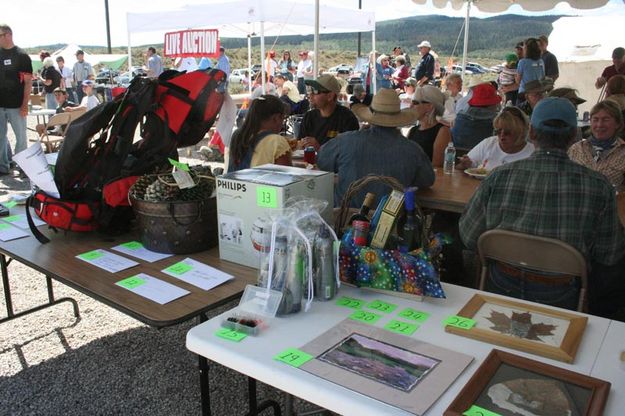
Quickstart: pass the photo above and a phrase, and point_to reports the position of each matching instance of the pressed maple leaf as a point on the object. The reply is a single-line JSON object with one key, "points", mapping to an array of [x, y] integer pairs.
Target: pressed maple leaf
{"points": [[519, 325]]}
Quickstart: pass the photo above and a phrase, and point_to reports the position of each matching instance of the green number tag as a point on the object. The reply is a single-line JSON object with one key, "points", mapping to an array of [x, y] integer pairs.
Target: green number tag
{"points": [[179, 165], [4, 226], [91, 255], [179, 268], [378, 305], [230, 335], [131, 282], [478, 411], [293, 357], [12, 218], [400, 327], [414, 315], [459, 322], [366, 317], [349, 302], [267, 197], [10, 204], [133, 245]]}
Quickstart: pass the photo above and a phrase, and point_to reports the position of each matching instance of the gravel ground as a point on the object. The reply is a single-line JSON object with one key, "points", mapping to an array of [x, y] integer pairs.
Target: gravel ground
{"points": [[105, 362]]}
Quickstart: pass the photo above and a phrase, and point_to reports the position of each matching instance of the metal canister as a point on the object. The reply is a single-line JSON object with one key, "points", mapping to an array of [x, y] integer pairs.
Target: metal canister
{"points": [[324, 266], [294, 284]]}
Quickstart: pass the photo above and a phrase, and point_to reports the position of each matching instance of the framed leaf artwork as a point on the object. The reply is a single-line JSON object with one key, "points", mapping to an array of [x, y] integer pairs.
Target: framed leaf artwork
{"points": [[535, 329], [506, 384]]}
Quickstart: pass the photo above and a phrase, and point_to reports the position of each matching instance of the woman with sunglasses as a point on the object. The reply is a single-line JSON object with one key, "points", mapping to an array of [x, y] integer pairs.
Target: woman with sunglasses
{"points": [[430, 134], [509, 143], [286, 66], [258, 141], [604, 150]]}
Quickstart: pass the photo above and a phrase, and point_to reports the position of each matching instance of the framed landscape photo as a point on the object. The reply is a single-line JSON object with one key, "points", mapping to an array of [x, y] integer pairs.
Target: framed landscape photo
{"points": [[509, 385], [539, 330], [401, 371]]}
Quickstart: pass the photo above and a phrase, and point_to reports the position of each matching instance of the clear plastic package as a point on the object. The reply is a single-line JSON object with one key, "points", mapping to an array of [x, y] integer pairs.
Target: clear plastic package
{"points": [[257, 307]]}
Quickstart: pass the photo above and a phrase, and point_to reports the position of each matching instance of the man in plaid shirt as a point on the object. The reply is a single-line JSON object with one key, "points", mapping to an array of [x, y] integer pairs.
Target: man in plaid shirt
{"points": [[551, 196]]}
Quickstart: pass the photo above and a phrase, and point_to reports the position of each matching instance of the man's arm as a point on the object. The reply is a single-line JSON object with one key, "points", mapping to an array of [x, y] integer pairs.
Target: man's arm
{"points": [[609, 244], [328, 156], [27, 78]]}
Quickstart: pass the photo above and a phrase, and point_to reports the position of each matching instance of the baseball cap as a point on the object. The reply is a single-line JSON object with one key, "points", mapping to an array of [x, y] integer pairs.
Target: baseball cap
{"points": [[511, 57], [302, 53], [424, 44], [554, 108], [325, 83], [59, 90], [88, 82], [519, 45]]}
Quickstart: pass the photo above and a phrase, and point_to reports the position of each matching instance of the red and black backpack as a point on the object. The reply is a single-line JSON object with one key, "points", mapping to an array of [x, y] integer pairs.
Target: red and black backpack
{"points": [[98, 161]]}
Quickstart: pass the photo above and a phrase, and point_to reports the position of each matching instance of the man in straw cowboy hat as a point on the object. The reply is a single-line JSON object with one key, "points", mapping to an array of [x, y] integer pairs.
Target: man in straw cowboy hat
{"points": [[380, 149]]}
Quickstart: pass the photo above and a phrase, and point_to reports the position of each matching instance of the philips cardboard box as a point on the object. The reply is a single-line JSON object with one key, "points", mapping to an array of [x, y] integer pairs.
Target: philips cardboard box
{"points": [[245, 197]]}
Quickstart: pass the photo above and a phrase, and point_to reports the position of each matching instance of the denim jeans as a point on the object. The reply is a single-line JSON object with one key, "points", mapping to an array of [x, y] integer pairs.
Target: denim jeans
{"points": [[18, 124], [563, 296], [50, 101]]}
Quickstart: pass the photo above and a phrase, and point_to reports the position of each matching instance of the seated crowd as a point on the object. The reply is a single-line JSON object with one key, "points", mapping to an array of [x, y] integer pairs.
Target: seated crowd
{"points": [[547, 176]]}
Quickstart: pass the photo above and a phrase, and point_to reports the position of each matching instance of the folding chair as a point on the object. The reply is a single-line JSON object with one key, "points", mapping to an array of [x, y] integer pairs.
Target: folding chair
{"points": [[50, 141], [533, 254], [78, 112], [35, 99]]}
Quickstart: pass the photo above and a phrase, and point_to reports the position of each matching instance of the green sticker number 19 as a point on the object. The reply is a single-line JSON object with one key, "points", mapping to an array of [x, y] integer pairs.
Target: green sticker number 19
{"points": [[293, 357]]}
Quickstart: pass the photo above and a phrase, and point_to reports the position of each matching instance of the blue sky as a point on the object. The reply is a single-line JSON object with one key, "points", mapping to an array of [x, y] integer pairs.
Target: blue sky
{"points": [[40, 22]]}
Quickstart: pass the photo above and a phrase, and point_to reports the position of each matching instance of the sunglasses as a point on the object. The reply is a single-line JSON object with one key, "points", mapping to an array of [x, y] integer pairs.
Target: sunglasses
{"points": [[417, 102]]}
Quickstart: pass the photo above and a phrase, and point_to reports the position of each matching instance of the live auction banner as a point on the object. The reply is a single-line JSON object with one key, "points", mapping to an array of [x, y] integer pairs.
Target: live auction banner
{"points": [[188, 43]]}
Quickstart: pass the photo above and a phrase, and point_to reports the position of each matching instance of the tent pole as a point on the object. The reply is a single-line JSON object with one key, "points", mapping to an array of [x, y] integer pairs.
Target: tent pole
{"points": [[262, 55], [372, 64], [316, 42], [129, 54], [466, 39], [249, 61]]}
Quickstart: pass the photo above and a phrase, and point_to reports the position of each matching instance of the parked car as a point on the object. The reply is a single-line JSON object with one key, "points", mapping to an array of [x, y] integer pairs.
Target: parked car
{"points": [[239, 76], [478, 67], [106, 76], [458, 69]]}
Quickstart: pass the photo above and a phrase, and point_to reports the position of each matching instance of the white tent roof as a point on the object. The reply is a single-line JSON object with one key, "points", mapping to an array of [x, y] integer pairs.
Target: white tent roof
{"points": [[497, 6], [240, 17], [581, 39], [69, 56]]}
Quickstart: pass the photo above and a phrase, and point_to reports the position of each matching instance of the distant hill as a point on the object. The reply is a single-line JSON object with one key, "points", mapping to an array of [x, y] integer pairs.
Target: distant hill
{"points": [[489, 39]]}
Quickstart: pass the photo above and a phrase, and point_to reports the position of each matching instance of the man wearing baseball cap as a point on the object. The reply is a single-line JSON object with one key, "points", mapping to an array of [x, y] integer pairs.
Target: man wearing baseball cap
{"points": [[425, 70], [549, 195], [304, 71], [328, 118], [82, 71]]}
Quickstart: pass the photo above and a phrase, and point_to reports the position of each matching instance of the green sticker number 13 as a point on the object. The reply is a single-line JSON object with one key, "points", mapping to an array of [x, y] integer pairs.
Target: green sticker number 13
{"points": [[267, 197]]}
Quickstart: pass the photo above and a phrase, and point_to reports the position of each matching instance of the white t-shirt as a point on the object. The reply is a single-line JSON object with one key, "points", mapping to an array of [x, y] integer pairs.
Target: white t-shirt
{"points": [[489, 150], [89, 101], [304, 66]]}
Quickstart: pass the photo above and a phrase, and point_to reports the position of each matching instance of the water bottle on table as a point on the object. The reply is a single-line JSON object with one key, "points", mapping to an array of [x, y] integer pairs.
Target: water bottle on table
{"points": [[450, 158]]}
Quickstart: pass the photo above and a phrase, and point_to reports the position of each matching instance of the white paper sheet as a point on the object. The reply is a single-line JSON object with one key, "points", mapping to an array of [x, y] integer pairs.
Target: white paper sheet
{"points": [[106, 260], [33, 162], [137, 250], [8, 232], [152, 288], [20, 221], [197, 274], [227, 117]]}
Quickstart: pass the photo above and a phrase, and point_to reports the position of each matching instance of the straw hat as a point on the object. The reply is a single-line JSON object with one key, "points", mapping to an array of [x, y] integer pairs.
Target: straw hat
{"points": [[385, 110]]}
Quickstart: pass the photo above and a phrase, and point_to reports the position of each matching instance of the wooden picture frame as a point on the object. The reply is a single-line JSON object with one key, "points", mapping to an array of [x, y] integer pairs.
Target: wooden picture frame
{"points": [[588, 394], [555, 334]]}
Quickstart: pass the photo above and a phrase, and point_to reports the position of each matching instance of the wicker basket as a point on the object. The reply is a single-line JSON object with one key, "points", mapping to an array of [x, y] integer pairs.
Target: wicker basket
{"points": [[400, 273], [177, 227]]}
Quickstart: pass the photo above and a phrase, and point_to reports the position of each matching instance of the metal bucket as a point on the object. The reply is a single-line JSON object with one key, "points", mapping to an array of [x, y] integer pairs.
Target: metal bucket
{"points": [[177, 227]]}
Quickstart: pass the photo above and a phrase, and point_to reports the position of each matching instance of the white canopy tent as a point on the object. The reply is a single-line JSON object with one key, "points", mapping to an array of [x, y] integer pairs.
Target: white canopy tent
{"points": [[69, 56], [498, 6], [245, 18], [583, 54]]}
